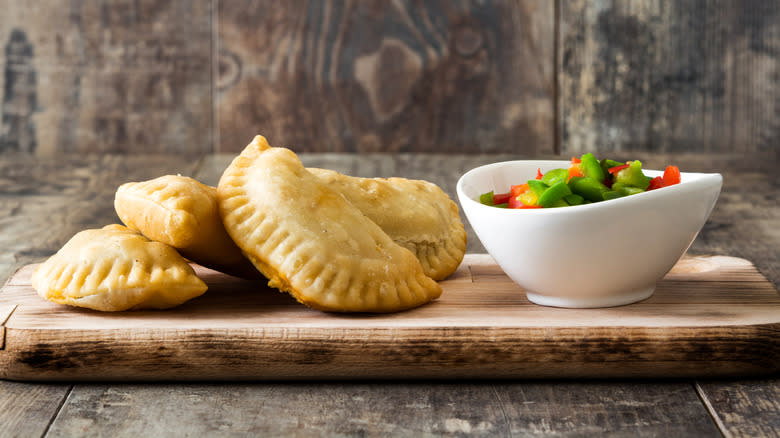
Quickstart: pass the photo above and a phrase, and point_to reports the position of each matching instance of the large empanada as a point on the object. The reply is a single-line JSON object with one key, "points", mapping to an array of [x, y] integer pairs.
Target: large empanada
{"points": [[415, 214], [313, 243], [114, 269], [182, 212]]}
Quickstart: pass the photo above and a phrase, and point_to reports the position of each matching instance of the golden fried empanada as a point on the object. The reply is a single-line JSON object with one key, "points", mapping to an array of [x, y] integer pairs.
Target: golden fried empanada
{"points": [[311, 242], [182, 212], [116, 268], [416, 214]]}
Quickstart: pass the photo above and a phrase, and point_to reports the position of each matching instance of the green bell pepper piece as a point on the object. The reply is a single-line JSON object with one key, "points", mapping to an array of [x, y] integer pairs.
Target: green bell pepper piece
{"points": [[552, 177], [633, 176], [588, 188], [626, 190], [560, 203], [591, 167], [537, 186], [612, 194], [552, 195], [574, 199], [486, 198]]}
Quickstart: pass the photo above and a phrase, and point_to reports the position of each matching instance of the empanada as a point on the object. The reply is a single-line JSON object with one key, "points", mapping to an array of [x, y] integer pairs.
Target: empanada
{"points": [[182, 212], [313, 243], [114, 269], [416, 214]]}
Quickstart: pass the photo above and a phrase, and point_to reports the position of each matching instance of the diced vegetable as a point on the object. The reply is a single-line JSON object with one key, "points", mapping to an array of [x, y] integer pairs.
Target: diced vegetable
{"points": [[501, 198], [632, 176], [487, 198], [574, 199], [553, 194], [616, 169], [588, 188], [671, 176], [554, 176], [586, 180], [591, 168], [537, 186], [656, 183]]}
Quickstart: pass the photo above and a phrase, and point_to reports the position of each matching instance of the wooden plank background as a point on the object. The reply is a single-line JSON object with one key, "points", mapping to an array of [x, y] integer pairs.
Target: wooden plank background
{"points": [[509, 76]]}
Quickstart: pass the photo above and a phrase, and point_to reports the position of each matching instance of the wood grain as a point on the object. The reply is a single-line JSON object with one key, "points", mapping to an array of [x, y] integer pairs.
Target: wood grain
{"points": [[369, 76], [290, 409], [106, 76], [27, 409], [604, 409], [483, 326], [670, 76], [746, 408], [401, 409]]}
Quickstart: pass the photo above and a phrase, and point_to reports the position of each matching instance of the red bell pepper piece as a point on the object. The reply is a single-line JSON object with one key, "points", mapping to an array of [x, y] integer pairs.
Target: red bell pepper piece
{"points": [[539, 174], [514, 203], [529, 206], [519, 189], [616, 169], [656, 183], [575, 160], [501, 198], [671, 175]]}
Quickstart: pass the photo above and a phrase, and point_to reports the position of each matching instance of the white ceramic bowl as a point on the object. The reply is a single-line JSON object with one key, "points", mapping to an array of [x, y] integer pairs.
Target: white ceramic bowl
{"points": [[603, 254]]}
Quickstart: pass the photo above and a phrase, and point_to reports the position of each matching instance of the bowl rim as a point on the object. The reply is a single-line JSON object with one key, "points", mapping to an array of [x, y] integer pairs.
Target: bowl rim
{"points": [[703, 180]]}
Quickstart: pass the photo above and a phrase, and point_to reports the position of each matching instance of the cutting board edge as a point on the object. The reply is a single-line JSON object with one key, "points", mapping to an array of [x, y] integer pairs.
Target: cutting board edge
{"points": [[476, 357]]}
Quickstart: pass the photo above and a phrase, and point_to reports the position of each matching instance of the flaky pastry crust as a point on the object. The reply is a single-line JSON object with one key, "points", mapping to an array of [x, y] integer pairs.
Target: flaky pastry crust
{"points": [[416, 214], [313, 243], [182, 212], [114, 269]]}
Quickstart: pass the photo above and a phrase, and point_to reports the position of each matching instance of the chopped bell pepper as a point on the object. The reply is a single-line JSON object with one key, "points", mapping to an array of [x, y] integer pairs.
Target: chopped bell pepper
{"points": [[626, 190], [574, 199], [554, 176], [588, 188], [575, 170], [528, 199], [501, 198], [612, 194], [587, 180], [486, 198], [515, 202], [591, 167], [538, 187], [656, 183], [671, 176], [632, 176], [616, 169], [518, 190], [554, 194]]}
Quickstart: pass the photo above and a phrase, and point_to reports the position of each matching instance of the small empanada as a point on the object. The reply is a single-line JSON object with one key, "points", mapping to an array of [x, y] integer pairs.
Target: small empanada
{"points": [[182, 212], [114, 269], [416, 214], [313, 243]]}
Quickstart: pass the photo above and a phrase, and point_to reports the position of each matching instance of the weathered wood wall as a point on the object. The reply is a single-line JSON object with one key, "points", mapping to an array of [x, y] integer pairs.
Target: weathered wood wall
{"points": [[517, 76], [106, 76], [697, 75]]}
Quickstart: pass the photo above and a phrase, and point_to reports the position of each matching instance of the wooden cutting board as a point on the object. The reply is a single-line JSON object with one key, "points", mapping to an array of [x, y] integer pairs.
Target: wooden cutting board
{"points": [[710, 316]]}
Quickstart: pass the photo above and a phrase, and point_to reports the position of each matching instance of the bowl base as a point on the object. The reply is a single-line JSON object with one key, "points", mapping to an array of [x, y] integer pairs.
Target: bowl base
{"points": [[592, 302]]}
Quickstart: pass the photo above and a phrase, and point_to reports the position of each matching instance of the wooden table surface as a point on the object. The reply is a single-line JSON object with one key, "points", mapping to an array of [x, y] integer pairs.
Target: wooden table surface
{"points": [[43, 203]]}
